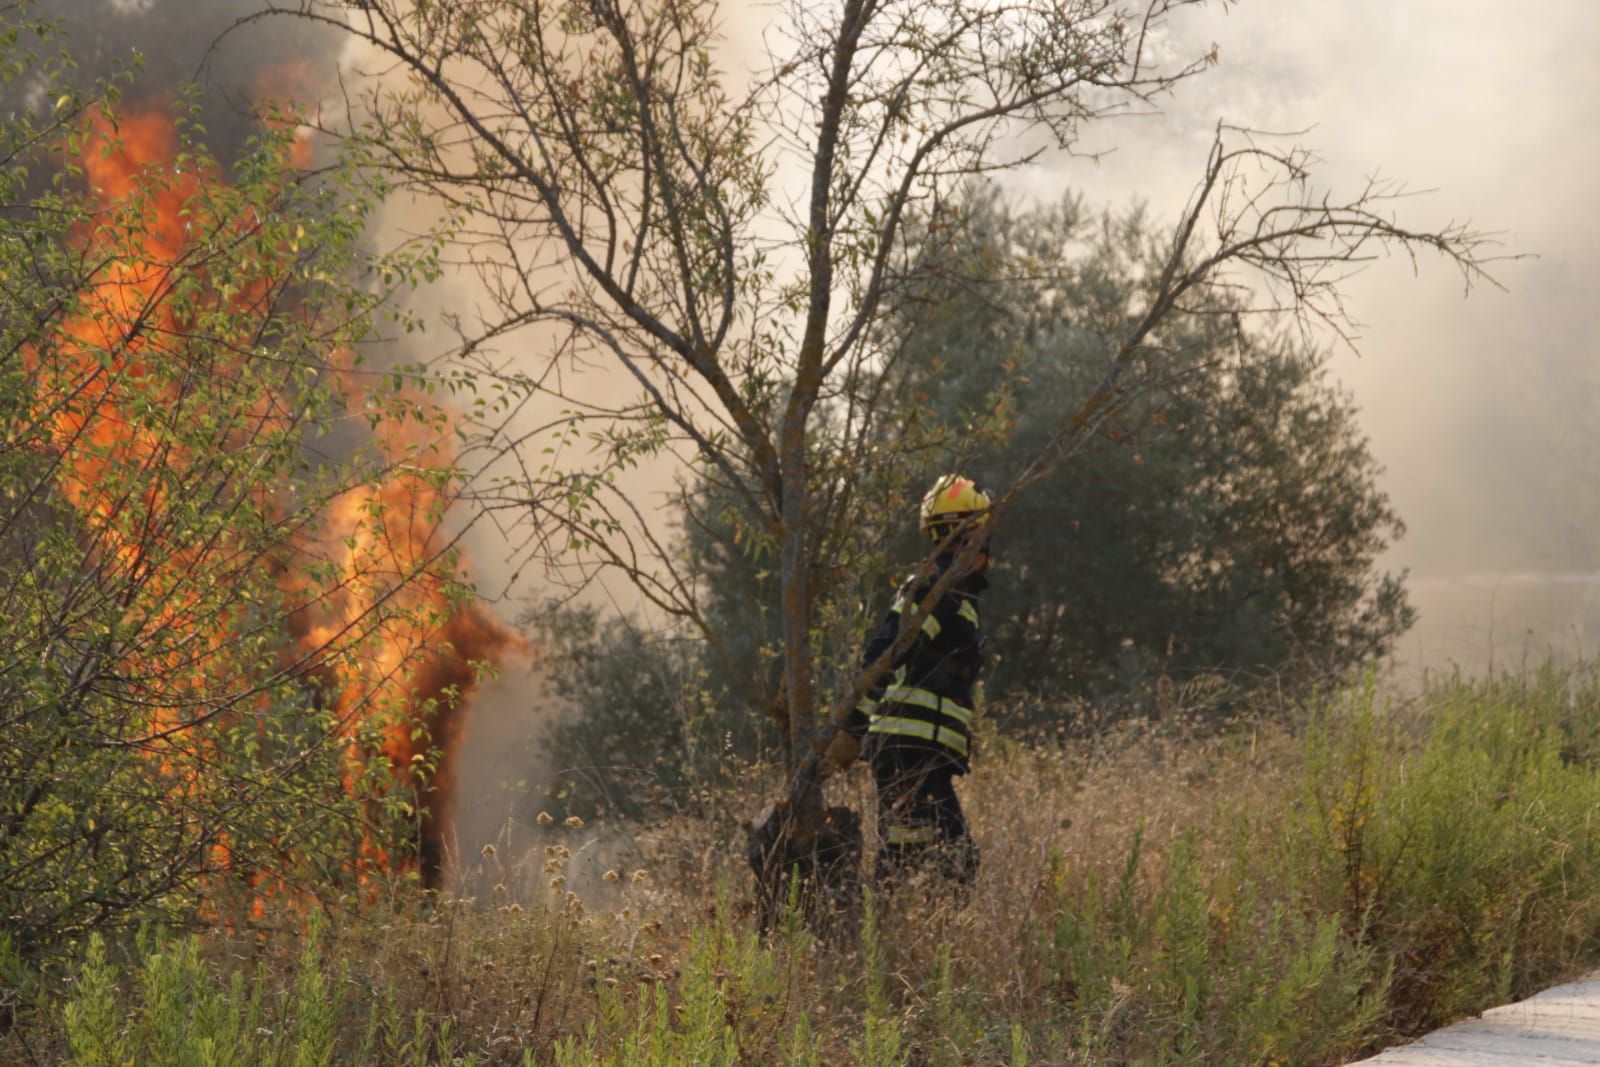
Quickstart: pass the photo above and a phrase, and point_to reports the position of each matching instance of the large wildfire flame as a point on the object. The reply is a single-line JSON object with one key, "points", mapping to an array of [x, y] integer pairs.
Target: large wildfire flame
{"points": [[388, 639], [384, 539]]}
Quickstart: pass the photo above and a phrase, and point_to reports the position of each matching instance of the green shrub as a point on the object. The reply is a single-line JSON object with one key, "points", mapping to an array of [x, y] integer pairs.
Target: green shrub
{"points": [[1274, 897], [1457, 839], [1192, 966], [177, 1009]]}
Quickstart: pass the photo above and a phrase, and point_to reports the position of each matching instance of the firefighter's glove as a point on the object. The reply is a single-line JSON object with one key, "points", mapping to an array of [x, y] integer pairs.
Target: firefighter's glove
{"points": [[842, 751]]}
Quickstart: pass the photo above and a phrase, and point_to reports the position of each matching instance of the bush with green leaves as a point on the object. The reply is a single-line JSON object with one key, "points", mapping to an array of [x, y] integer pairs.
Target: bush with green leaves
{"points": [[1224, 529], [1458, 843], [1228, 519], [643, 729], [172, 738], [172, 1009]]}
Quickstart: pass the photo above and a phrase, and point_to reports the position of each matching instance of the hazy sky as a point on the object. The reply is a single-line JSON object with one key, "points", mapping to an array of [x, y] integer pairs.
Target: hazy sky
{"points": [[1486, 410], [1466, 400]]}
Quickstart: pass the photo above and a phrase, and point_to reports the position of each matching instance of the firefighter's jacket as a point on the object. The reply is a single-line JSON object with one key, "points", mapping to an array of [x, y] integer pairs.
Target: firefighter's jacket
{"points": [[926, 701]]}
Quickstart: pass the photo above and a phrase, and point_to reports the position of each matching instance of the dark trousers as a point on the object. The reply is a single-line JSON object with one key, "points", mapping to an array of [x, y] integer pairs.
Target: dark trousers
{"points": [[919, 818]]}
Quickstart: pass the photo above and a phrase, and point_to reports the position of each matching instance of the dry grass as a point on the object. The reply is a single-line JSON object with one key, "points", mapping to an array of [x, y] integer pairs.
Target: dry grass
{"points": [[1156, 894]]}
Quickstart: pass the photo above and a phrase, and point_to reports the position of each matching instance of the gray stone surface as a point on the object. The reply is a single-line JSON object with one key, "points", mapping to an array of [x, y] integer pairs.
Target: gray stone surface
{"points": [[1556, 1028]]}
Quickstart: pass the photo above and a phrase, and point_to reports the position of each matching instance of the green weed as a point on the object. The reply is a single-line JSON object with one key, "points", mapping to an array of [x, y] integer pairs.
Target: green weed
{"points": [[1270, 895]]}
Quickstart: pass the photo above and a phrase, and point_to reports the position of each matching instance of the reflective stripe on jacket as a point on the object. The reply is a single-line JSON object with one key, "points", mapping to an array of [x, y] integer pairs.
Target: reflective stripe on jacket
{"points": [[927, 700]]}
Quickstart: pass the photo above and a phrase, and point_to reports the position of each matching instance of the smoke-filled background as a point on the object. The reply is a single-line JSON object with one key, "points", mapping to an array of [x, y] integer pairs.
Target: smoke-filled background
{"points": [[180, 41], [1483, 410]]}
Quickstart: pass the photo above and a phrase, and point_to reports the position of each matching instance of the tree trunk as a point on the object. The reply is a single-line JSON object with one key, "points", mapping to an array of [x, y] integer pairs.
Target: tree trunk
{"points": [[799, 676]]}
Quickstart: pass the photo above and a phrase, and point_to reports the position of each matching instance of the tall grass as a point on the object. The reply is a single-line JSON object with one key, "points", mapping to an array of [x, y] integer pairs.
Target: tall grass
{"points": [[1266, 894]]}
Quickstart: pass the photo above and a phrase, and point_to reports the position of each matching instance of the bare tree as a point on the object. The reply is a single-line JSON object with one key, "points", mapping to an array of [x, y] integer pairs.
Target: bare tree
{"points": [[729, 250]]}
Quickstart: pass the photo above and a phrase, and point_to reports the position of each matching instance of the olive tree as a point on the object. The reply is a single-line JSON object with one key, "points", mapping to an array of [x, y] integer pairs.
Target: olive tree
{"points": [[726, 245], [1228, 525]]}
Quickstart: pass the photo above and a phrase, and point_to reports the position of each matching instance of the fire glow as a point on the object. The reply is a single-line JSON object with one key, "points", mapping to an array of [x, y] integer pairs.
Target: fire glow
{"points": [[385, 637]]}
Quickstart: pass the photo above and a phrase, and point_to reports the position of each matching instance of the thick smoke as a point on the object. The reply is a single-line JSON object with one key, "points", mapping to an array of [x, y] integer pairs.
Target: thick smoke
{"points": [[1482, 410], [182, 42]]}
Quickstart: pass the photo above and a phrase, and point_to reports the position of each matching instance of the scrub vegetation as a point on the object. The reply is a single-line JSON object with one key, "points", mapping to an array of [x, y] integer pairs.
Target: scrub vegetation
{"points": [[1254, 894], [239, 643]]}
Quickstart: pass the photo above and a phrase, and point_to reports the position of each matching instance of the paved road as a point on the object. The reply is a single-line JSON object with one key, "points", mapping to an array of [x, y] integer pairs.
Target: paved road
{"points": [[1557, 1028]]}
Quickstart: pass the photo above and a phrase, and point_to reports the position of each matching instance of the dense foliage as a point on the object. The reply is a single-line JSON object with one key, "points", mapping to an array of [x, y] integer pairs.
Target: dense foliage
{"points": [[175, 627], [1227, 521], [1256, 897], [1226, 525], [651, 728]]}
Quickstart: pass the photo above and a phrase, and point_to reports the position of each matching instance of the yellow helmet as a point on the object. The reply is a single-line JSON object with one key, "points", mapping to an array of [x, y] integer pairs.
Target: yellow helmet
{"points": [[952, 501]]}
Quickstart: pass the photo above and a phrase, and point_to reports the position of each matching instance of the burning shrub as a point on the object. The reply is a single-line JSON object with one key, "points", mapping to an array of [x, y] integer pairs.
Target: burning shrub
{"points": [[228, 662]]}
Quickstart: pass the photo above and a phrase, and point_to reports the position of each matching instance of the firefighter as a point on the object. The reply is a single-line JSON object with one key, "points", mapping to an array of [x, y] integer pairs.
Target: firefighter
{"points": [[915, 726]]}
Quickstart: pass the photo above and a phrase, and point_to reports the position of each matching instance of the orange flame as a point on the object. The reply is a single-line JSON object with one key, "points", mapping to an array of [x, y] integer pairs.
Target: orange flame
{"points": [[391, 639], [124, 312], [391, 548], [99, 370]]}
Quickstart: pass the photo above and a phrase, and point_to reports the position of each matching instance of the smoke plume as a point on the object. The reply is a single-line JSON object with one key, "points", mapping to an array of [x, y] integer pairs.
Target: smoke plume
{"points": [[173, 43], [1483, 410]]}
